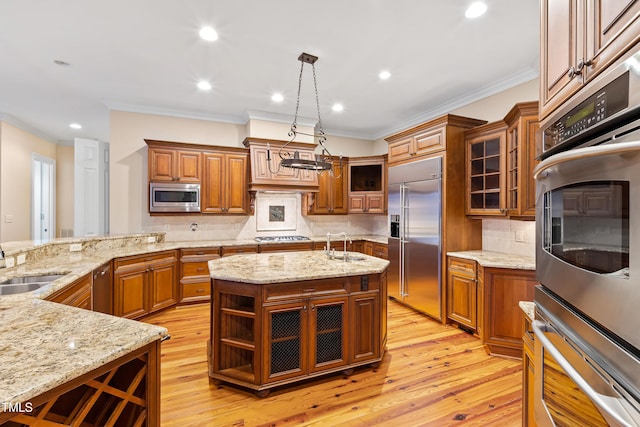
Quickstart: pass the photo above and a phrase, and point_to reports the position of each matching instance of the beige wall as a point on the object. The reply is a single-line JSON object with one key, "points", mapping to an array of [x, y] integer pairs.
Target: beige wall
{"points": [[64, 190], [16, 149]]}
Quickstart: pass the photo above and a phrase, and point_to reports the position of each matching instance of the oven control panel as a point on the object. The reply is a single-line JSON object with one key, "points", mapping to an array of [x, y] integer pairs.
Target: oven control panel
{"points": [[597, 108]]}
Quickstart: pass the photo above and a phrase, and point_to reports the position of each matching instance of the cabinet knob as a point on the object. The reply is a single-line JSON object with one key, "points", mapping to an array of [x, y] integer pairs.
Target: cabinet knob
{"points": [[583, 63], [571, 73]]}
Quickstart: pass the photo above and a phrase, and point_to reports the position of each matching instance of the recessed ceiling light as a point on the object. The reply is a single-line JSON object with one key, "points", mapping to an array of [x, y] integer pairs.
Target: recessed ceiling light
{"points": [[337, 107], [208, 33], [204, 85], [61, 63], [277, 97], [475, 9], [384, 75], [75, 126]]}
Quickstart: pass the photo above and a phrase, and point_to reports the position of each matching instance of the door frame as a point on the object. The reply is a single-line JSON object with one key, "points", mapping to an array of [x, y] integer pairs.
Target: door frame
{"points": [[38, 158]]}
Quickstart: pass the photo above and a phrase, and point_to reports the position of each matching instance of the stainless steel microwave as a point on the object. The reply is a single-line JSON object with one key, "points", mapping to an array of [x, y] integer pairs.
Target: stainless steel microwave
{"points": [[174, 197]]}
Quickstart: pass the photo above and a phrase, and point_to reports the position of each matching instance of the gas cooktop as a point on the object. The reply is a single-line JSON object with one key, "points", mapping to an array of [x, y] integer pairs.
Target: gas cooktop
{"points": [[280, 238]]}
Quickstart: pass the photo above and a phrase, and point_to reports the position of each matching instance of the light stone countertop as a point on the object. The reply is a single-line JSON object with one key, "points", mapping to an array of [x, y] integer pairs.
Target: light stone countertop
{"points": [[497, 259], [44, 344], [529, 308], [280, 267]]}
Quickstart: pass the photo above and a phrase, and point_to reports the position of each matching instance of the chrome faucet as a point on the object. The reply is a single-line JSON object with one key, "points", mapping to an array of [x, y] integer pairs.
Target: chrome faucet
{"points": [[344, 251]]}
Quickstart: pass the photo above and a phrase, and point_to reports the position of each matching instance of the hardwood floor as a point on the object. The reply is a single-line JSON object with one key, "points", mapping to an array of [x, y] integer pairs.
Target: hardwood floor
{"points": [[431, 375]]}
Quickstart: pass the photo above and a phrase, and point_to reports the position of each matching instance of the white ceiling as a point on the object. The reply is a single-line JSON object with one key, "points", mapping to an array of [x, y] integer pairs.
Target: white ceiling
{"points": [[146, 56]]}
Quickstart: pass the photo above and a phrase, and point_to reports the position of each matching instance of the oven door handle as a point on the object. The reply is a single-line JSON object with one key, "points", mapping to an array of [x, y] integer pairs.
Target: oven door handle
{"points": [[610, 406], [585, 152]]}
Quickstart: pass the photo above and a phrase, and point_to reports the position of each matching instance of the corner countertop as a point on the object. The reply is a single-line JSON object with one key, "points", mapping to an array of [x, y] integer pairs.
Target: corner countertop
{"points": [[277, 267], [44, 344], [497, 259]]}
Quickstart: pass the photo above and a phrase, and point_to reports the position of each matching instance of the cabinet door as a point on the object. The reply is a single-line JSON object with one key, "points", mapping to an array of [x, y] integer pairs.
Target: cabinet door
{"points": [[357, 203], [485, 173], [461, 299], [504, 289], [365, 327], [163, 290], [236, 194], [130, 293], [521, 160], [375, 203], [331, 197], [214, 179], [612, 28], [77, 294], [286, 341], [188, 166], [528, 396], [562, 45], [161, 164], [329, 335]]}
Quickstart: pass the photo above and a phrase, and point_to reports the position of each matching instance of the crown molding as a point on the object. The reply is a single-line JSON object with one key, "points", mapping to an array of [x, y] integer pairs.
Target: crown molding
{"points": [[15, 122]]}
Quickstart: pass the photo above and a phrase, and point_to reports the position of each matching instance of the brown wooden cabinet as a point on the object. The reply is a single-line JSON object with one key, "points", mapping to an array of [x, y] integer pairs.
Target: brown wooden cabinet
{"points": [[461, 292], [485, 183], [173, 164], [225, 184], [528, 373], [76, 294], [239, 249], [289, 246], [376, 249], [195, 282], [274, 334], [144, 283], [520, 151], [367, 185], [502, 325], [331, 198], [579, 39], [487, 302], [418, 142]]}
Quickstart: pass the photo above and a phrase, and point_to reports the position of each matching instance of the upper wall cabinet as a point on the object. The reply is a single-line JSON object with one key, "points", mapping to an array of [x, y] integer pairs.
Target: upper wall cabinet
{"points": [[425, 139], [331, 198], [168, 163], [579, 39], [226, 175], [522, 122], [485, 187], [367, 184], [268, 175]]}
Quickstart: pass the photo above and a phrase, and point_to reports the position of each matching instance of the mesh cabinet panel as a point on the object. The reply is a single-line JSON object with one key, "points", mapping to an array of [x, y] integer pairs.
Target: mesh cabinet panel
{"points": [[285, 341], [329, 333]]}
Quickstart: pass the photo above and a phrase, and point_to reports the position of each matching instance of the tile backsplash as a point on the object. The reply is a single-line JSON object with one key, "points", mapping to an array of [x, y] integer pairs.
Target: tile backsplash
{"points": [[509, 236], [229, 227]]}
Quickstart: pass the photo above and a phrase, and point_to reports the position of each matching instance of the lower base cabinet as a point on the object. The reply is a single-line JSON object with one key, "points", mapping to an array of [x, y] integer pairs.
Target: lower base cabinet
{"points": [[485, 300], [195, 282], [528, 371], [269, 335], [144, 284], [77, 294]]}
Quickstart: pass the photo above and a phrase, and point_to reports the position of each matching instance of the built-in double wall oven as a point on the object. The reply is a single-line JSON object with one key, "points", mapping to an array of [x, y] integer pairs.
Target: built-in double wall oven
{"points": [[587, 325]]}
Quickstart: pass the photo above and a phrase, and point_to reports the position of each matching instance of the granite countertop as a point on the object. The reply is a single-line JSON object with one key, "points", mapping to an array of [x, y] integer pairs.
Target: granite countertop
{"points": [[529, 308], [279, 267], [497, 259], [44, 344]]}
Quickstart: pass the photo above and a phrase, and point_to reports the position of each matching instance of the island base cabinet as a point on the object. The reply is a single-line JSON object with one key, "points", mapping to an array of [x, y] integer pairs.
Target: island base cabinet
{"points": [[123, 392], [263, 336]]}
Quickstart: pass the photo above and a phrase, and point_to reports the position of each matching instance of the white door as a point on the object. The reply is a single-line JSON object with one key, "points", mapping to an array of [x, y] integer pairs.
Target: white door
{"points": [[91, 192], [43, 184]]}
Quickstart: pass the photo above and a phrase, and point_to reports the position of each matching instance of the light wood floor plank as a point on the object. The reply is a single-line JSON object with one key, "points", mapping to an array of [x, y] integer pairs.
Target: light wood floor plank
{"points": [[431, 375]]}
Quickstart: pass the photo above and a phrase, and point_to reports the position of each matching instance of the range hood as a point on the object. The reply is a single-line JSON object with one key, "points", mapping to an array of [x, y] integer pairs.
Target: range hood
{"points": [[270, 176]]}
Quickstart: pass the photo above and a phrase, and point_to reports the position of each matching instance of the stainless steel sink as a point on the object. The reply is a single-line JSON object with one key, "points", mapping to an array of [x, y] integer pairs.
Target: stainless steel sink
{"points": [[31, 279], [350, 257], [19, 288]]}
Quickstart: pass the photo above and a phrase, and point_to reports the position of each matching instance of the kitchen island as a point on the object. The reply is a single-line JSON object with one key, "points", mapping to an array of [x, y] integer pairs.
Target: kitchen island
{"points": [[282, 317]]}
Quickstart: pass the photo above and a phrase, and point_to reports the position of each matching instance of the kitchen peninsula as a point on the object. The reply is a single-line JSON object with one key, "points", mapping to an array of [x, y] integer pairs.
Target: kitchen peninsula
{"points": [[277, 318]]}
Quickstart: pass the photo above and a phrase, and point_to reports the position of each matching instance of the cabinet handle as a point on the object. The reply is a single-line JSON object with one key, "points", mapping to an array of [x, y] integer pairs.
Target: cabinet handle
{"points": [[200, 253], [305, 308], [200, 269], [200, 290], [150, 268], [583, 63], [309, 290], [571, 73], [313, 307]]}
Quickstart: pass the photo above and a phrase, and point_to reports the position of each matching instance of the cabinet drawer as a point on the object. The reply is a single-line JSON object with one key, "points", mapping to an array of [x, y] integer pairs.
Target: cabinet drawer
{"points": [[229, 250], [430, 141], [462, 266], [209, 253], [137, 260], [195, 269], [294, 290], [196, 290], [380, 250]]}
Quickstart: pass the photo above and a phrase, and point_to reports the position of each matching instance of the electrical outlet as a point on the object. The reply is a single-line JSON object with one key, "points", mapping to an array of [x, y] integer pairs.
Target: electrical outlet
{"points": [[75, 247], [519, 236], [8, 219], [22, 258], [9, 262], [151, 239]]}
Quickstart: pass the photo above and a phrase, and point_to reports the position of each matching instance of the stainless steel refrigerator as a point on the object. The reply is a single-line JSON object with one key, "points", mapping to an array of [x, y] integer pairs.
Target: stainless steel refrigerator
{"points": [[415, 235]]}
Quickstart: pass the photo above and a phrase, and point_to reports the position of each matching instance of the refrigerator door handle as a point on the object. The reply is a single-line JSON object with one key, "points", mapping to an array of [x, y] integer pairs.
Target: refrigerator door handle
{"points": [[403, 235]]}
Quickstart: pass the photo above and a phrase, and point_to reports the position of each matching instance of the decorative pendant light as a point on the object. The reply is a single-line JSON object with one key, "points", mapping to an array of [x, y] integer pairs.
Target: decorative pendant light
{"points": [[322, 161]]}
